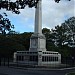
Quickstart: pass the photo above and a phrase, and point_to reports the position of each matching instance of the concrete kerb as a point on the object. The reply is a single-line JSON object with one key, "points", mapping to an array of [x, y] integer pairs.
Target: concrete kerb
{"points": [[42, 69], [68, 68]]}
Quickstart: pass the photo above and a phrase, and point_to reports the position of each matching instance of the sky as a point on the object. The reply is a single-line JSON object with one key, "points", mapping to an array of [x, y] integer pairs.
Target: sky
{"points": [[53, 14]]}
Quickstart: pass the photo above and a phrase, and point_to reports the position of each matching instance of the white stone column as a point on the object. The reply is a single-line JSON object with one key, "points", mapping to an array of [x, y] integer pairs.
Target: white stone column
{"points": [[38, 18], [15, 57], [40, 58], [38, 40], [59, 58]]}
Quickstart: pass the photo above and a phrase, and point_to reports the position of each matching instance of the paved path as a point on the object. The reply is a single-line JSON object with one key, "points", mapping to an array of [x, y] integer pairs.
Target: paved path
{"points": [[14, 71], [2, 74]]}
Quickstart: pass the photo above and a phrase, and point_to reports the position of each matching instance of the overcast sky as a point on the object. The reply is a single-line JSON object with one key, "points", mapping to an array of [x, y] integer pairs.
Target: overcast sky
{"points": [[52, 14]]}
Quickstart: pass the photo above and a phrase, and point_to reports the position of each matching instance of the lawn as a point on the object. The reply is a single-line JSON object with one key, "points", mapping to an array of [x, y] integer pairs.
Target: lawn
{"points": [[71, 74]]}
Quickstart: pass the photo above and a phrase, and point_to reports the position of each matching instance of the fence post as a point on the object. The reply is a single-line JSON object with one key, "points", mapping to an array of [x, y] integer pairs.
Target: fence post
{"points": [[4, 61], [66, 61], [0, 61], [8, 61], [72, 61], [17, 63]]}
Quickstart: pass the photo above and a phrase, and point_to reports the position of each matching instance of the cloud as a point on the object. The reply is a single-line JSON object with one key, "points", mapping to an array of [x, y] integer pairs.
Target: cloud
{"points": [[52, 14]]}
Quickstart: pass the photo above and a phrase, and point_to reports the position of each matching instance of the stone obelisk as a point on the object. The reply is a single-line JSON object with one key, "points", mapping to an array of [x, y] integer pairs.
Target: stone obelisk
{"points": [[38, 40], [38, 18]]}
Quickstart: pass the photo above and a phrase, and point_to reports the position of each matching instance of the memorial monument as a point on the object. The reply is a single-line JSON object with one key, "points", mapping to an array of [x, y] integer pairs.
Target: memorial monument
{"points": [[37, 54]]}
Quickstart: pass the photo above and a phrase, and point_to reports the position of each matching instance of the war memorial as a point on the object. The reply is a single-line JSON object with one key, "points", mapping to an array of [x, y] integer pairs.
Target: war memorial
{"points": [[37, 54]]}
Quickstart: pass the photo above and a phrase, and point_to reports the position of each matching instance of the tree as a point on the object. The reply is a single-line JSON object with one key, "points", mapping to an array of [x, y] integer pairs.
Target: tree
{"points": [[64, 37], [9, 45], [65, 33], [19, 4], [5, 24], [13, 32], [22, 38], [45, 30]]}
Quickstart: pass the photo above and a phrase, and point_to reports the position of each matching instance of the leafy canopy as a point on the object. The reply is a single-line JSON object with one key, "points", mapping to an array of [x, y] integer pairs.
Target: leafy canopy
{"points": [[19, 4], [5, 24]]}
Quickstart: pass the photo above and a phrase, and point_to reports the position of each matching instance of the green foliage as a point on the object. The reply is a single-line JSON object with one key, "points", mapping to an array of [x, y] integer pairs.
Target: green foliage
{"points": [[5, 24], [8, 46], [14, 42], [19, 4], [45, 30], [71, 74], [65, 31]]}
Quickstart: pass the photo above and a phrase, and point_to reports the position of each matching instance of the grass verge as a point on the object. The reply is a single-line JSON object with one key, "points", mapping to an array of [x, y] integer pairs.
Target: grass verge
{"points": [[71, 74]]}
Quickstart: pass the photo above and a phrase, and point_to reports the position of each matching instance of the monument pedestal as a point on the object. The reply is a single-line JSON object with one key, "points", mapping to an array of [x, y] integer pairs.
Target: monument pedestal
{"points": [[37, 42]]}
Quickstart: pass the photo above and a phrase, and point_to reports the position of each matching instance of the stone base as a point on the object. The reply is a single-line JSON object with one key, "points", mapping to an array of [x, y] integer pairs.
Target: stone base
{"points": [[37, 42], [38, 36]]}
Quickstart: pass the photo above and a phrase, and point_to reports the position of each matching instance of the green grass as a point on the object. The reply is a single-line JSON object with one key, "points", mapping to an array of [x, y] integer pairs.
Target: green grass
{"points": [[71, 74]]}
